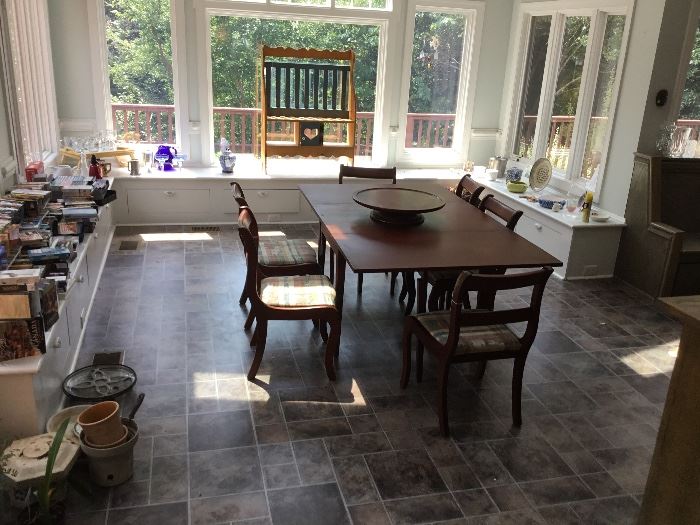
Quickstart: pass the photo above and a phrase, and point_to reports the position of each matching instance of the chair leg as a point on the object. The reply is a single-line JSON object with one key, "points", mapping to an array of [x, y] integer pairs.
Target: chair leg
{"points": [[434, 299], [315, 323], [243, 298], [442, 401], [261, 331], [517, 386], [482, 370], [392, 283], [411, 290], [254, 339], [422, 293], [419, 361], [406, 365], [360, 280], [323, 328], [249, 320], [331, 263], [332, 348], [404, 289]]}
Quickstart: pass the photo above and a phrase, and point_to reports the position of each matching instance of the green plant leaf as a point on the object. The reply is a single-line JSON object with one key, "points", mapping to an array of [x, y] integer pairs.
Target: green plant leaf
{"points": [[44, 492]]}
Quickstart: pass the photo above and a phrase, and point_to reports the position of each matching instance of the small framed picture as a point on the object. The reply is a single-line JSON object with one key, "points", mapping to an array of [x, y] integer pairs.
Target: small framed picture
{"points": [[311, 134]]}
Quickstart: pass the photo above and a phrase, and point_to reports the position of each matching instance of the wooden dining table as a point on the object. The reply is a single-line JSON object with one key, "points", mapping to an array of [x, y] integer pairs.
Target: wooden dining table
{"points": [[458, 236]]}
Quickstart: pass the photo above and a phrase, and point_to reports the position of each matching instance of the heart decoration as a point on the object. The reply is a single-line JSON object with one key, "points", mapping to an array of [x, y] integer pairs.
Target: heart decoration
{"points": [[311, 133]]}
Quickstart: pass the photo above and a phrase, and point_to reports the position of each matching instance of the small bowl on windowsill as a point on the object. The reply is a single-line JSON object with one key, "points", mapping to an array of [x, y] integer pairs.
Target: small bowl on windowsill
{"points": [[516, 187]]}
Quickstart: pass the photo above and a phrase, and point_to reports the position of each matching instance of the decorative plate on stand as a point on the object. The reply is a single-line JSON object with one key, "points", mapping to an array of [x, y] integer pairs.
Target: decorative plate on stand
{"points": [[398, 206], [540, 174]]}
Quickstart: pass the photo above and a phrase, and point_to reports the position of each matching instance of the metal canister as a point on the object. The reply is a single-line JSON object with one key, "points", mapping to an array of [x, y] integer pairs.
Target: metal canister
{"points": [[134, 167], [498, 163]]}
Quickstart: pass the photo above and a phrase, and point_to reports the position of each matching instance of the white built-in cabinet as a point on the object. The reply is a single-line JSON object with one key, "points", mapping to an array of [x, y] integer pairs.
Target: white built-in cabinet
{"points": [[30, 388]]}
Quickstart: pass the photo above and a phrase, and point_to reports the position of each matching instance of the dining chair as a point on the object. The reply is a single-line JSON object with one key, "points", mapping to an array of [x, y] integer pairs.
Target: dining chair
{"points": [[468, 189], [462, 336], [353, 172], [286, 297], [278, 257], [443, 282]]}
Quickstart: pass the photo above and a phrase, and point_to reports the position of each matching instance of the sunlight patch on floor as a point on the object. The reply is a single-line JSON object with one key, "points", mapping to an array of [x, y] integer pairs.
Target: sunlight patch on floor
{"points": [[180, 236]]}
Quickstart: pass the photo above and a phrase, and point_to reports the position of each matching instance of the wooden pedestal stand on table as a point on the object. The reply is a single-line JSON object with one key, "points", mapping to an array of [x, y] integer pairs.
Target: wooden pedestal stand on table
{"points": [[672, 493], [305, 87]]}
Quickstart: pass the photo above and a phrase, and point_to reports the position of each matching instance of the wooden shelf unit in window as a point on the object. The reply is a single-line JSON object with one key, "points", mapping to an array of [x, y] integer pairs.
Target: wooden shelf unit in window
{"points": [[304, 86]]}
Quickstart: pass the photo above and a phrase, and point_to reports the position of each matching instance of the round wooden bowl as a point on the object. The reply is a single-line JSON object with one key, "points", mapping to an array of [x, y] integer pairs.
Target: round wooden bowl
{"points": [[398, 206]]}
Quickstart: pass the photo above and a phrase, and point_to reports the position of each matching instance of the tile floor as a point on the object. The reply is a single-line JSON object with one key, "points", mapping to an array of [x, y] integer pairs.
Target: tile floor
{"points": [[294, 448]]}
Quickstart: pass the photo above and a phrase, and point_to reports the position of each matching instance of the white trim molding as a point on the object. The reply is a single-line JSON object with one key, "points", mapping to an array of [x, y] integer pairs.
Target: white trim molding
{"points": [[100, 68], [34, 89], [79, 125]]}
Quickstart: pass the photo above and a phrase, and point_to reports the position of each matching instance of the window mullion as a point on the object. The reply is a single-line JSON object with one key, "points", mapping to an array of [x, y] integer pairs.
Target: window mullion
{"points": [[549, 82], [584, 107]]}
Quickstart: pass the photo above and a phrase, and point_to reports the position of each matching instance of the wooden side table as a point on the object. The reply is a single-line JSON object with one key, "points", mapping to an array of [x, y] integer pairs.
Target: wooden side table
{"points": [[672, 493]]}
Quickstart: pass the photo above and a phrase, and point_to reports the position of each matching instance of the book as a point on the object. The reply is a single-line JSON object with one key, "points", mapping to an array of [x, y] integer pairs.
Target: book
{"points": [[45, 302], [15, 305], [22, 338], [49, 254], [28, 277]]}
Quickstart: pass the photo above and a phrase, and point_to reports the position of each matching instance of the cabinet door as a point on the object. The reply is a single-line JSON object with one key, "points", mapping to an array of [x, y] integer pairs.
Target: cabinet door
{"points": [[77, 301], [168, 205], [55, 366]]}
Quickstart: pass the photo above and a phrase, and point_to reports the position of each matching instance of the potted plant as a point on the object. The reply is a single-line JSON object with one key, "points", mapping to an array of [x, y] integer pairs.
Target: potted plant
{"points": [[47, 510]]}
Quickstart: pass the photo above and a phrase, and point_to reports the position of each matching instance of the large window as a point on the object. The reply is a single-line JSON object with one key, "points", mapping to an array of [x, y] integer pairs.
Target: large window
{"points": [[689, 112], [235, 45], [567, 89], [438, 42], [437, 85], [532, 85], [568, 81], [141, 70]]}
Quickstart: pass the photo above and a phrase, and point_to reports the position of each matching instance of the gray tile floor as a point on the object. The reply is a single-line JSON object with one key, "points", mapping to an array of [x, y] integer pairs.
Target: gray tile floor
{"points": [[294, 448]]}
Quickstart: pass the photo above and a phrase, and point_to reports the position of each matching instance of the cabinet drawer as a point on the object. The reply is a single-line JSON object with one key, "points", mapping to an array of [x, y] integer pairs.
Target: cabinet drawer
{"points": [[260, 201], [549, 239], [77, 301], [168, 203]]}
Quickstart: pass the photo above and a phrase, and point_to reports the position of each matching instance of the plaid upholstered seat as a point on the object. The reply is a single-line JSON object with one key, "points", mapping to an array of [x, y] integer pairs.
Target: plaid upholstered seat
{"points": [[285, 252], [472, 339], [297, 290]]}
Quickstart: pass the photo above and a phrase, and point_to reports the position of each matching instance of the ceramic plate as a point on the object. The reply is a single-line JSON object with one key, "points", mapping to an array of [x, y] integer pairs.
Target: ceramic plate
{"points": [[540, 174], [70, 412]]}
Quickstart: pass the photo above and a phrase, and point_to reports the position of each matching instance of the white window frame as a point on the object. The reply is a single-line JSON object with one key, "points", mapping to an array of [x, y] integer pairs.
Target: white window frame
{"points": [[269, 10], [598, 12], [100, 79], [679, 86], [454, 156]]}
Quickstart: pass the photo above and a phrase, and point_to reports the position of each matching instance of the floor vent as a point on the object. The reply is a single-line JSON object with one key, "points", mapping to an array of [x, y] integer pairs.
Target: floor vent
{"points": [[107, 358], [128, 245], [206, 228]]}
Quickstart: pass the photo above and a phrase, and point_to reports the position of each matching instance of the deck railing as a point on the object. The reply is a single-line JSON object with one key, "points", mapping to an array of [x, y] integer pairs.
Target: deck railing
{"points": [[155, 124]]}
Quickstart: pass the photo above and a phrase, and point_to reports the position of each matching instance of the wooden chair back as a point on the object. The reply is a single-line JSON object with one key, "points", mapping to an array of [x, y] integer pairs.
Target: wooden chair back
{"points": [[490, 285], [238, 194], [366, 173], [505, 213], [248, 233], [468, 189]]}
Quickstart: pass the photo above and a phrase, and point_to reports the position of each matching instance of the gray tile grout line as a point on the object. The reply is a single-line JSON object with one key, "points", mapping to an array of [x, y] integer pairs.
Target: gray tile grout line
{"points": [[488, 440]]}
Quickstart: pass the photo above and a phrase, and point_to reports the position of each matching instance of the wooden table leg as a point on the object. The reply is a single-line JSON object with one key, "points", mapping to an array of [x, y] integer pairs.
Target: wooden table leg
{"points": [[322, 250], [339, 281]]}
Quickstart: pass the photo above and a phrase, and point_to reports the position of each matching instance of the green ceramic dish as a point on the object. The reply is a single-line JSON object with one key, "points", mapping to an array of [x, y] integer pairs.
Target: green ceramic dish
{"points": [[516, 187]]}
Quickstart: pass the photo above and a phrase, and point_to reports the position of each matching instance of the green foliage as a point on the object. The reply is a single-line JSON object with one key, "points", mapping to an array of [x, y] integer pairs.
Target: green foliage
{"points": [[140, 52], [437, 57], [45, 490], [690, 104], [235, 48]]}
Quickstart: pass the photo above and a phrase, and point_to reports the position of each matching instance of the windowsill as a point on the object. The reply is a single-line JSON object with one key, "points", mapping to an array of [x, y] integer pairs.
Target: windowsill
{"points": [[561, 217]]}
